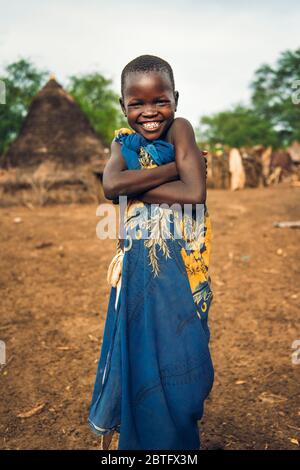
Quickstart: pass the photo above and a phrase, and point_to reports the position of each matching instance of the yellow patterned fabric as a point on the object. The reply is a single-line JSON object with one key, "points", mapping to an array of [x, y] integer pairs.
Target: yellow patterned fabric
{"points": [[157, 316], [196, 235], [123, 130]]}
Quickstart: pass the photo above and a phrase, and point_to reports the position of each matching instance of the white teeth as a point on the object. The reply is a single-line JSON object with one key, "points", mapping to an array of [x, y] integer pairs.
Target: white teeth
{"points": [[150, 125]]}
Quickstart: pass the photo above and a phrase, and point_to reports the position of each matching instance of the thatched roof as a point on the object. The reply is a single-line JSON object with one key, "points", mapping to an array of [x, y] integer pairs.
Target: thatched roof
{"points": [[55, 129]]}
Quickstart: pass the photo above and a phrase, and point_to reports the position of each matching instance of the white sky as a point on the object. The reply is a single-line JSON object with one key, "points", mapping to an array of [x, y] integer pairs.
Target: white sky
{"points": [[213, 46]]}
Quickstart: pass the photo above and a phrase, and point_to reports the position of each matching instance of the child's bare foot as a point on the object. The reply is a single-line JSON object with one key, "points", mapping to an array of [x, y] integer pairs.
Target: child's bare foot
{"points": [[106, 440]]}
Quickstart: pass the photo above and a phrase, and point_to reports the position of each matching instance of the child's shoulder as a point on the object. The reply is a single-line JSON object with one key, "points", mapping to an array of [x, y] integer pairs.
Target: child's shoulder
{"points": [[179, 125]]}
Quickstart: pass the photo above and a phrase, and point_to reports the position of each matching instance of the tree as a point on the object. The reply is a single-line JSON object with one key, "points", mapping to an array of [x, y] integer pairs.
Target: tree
{"points": [[272, 90], [272, 118], [22, 81], [99, 102], [237, 127]]}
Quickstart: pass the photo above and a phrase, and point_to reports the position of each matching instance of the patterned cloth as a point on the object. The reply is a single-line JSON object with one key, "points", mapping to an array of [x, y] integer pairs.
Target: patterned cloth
{"points": [[155, 369]]}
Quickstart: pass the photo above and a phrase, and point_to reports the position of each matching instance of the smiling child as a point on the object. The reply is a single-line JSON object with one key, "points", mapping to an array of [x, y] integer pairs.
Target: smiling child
{"points": [[155, 369]]}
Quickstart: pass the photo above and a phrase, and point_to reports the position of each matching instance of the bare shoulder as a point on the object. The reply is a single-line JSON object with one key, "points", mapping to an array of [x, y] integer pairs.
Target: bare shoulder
{"points": [[181, 131], [181, 128], [182, 123]]}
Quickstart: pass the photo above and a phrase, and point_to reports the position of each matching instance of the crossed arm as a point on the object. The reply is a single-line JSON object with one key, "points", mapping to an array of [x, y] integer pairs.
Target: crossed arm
{"points": [[182, 181]]}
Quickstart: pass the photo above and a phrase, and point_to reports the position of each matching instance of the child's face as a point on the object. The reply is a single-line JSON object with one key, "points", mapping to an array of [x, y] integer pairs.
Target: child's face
{"points": [[149, 103]]}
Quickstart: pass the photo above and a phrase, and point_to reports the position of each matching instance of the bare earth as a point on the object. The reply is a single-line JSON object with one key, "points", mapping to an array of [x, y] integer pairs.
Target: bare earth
{"points": [[54, 297]]}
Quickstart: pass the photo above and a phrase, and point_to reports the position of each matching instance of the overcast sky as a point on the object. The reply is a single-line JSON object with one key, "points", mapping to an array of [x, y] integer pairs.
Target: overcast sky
{"points": [[213, 46]]}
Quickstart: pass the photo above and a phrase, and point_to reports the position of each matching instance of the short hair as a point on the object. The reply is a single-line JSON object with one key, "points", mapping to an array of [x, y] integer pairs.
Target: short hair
{"points": [[147, 63]]}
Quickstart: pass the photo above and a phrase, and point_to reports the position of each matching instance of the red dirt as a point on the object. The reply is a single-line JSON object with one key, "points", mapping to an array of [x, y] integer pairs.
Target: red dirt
{"points": [[53, 308]]}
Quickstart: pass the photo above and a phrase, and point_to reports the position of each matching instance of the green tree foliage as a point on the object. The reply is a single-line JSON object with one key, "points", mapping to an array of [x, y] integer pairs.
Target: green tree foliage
{"points": [[99, 102], [272, 95], [22, 81], [272, 118], [238, 127]]}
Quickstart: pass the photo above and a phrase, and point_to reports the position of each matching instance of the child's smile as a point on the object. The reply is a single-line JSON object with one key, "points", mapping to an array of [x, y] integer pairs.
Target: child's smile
{"points": [[149, 103]]}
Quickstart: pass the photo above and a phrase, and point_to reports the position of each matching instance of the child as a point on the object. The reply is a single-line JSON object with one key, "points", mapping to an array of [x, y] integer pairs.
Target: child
{"points": [[155, 369]]}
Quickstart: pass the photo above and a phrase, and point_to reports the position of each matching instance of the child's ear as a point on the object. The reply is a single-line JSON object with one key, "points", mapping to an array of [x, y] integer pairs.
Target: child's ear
{"points": [[176, 94], [122, 105]]}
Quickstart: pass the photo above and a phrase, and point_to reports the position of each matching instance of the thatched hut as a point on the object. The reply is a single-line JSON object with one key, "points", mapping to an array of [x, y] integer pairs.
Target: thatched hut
{"points": [[55, 129], [56, 147]]}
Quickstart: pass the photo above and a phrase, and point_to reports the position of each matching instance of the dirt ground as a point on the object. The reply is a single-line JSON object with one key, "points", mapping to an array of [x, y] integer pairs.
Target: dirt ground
{"points": [[54, 296]]}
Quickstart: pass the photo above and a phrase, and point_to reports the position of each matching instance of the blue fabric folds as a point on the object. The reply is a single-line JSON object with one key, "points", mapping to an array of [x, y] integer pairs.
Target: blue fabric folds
{"points": [[160, 151], [155, 369]]}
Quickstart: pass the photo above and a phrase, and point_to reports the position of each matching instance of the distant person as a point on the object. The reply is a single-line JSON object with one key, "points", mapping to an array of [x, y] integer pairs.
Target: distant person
{"points": [[155, 368]]}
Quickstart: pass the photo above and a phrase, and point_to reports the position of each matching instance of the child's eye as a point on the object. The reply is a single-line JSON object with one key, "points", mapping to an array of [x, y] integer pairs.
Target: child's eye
{"points": [[162, 103], [134, 105]]}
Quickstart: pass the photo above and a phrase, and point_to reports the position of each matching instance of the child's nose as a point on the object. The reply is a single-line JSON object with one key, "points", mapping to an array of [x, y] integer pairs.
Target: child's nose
{"points": [[150, 110]]}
